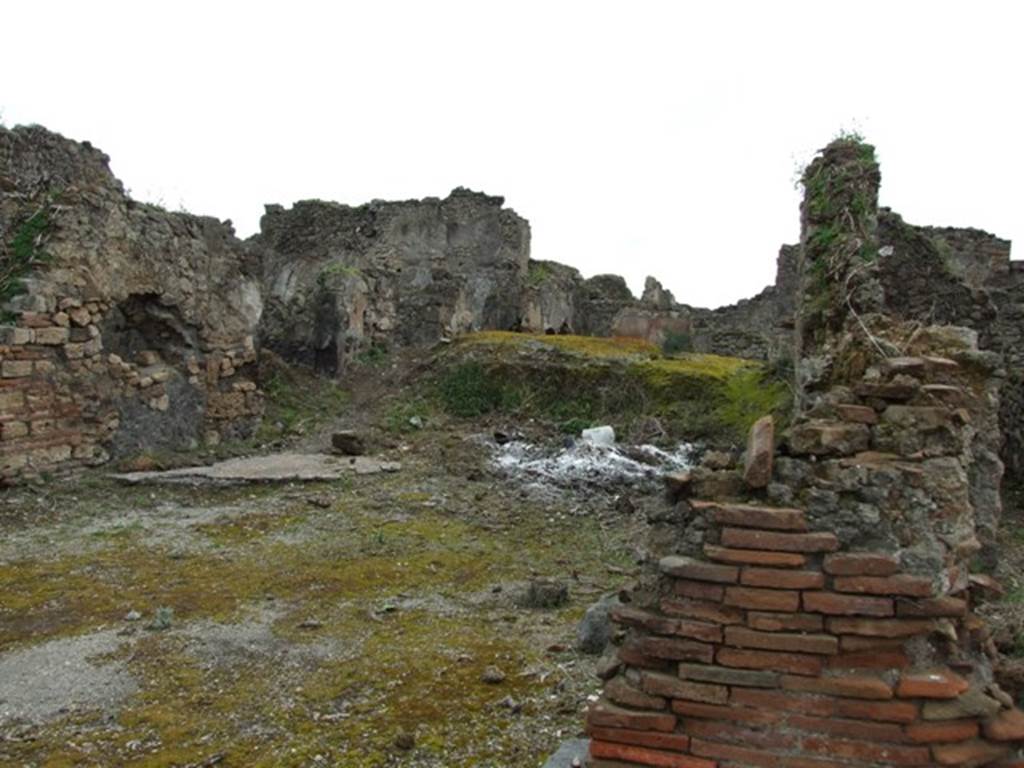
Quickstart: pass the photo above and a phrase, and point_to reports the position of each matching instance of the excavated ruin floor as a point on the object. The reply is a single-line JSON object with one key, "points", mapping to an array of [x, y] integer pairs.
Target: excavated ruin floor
{"points": [[333, 623]]}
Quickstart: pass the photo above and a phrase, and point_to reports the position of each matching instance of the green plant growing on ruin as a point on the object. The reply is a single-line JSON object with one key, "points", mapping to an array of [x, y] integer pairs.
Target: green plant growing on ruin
{"points": [[751, 393], [675, 342], [374, 355], [838, 213], [329, 278], [23, 254], [297, 399], [469, 390], [538, 274]]}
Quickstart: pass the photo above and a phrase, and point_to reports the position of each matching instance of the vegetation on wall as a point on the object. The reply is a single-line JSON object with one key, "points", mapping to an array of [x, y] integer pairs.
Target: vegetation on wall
{"points": [[23, 254], [840, 219]]}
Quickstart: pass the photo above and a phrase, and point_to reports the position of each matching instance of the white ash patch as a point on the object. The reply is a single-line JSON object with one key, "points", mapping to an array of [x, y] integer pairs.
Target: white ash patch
{"points": [[588, 464]]}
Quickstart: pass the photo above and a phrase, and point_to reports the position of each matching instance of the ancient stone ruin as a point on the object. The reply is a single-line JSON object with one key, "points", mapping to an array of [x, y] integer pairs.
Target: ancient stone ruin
{"points": [[814, 606], [817, 607], [130, 328]]}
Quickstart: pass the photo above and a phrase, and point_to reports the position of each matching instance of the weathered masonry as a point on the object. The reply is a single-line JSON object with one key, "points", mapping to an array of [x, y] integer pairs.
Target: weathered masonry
{"points": [[816, 609], [128, 328]]}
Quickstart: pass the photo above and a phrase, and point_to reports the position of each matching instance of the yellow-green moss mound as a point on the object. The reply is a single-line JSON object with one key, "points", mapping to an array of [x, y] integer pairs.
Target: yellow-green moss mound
{"points": [[577, 381]]}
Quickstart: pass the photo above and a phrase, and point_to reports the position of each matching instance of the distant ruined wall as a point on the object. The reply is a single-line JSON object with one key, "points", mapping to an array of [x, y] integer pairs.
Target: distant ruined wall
{"points": [[338, 279], [758, 328], [126, 328]]}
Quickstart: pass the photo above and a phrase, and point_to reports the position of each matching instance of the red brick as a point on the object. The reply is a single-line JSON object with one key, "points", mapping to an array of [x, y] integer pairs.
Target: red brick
{"points": [[1008, 725], [781, 542], [630, 654], [861, 564], [730, 752], [678, 742], [737, 734], [701, 610], [622, 693], [879, 658], [856, 644], [937, 684], [934, 606], [676, 649], [714, 673], [964, 753], [754, 557], [742, 637], [782, 579], [784, 701], [699, 630], [880, 627], [603, 714], [674, 688], [699, 590], [749, 516], [847, 605], [886, 711], [854, 729], [688, 568], [887, 754], [781, 622], [795, 663], [762, 599], [635, 617], [690, 709], [645, 756], [901, 584], [853, 686], [947, 731], [736, 756]]}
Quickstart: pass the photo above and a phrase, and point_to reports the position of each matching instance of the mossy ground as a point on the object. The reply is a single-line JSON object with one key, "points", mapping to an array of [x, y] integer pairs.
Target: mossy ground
{"points": [[313, 624], [389, 596]]}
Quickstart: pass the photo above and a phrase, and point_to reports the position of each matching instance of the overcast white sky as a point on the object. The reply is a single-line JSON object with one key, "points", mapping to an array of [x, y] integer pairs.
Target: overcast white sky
{"points": [[637, 137]]}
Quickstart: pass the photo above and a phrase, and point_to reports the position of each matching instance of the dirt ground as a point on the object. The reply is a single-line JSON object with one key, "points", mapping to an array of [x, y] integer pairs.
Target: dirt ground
{"points": [[372, 621]]}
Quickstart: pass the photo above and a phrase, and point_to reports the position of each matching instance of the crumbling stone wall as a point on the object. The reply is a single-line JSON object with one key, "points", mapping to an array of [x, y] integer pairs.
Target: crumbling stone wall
{"points": [[338, 279], [759, 328], [816, 607], [129, 328]]}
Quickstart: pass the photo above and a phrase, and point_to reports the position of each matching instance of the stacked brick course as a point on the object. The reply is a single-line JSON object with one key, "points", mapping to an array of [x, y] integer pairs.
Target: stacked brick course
{"points": [[781, 649], [62, 394]]}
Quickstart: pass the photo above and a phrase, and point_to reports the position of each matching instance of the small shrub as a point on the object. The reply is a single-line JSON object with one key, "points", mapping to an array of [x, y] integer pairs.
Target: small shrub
{"points": [[296, 398], [749, 395], [373, 355], [677, 341], [470, 390]]}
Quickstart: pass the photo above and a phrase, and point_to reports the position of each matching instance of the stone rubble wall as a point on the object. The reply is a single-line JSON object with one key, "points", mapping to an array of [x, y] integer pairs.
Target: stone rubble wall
{"points": [[323, 282], [838, 630], [136, 330], [816, 607], [340, 279]]}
